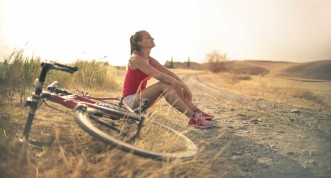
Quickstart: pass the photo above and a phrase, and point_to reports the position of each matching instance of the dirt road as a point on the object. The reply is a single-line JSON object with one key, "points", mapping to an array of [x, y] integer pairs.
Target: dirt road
{"points": [[261, 138]]}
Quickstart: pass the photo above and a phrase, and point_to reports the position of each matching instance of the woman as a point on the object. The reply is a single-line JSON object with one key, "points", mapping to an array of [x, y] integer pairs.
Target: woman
{"points": [[142, 67]]}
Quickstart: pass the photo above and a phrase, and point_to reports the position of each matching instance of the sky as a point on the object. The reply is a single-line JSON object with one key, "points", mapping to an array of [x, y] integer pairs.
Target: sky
{"points": [[67, 30]]}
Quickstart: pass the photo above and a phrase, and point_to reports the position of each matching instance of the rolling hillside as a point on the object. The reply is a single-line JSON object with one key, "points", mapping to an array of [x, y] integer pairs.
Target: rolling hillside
{"points": [[320, 70], [317, 70]]}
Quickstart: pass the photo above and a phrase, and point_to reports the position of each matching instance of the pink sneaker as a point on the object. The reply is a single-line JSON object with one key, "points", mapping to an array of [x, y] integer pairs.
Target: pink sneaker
{"points": [[205, 115], [200, 122]]}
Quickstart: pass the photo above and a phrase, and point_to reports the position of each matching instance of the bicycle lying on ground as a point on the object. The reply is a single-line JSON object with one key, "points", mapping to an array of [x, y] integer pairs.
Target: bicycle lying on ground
{"points": [[109, 120]]}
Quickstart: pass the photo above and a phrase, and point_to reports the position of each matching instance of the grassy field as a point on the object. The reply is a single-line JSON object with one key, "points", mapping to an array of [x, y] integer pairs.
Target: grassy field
{"points": [[306, 87], [300, 93], [75, 154]]}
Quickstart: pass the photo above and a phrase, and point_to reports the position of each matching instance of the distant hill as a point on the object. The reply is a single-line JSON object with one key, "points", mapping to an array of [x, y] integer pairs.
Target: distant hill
{"points": [[271, 66], [320, 70]]}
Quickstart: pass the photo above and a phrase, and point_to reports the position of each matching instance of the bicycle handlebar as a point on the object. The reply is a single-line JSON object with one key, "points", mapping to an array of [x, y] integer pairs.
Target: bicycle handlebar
{"points": [[58, 66]]}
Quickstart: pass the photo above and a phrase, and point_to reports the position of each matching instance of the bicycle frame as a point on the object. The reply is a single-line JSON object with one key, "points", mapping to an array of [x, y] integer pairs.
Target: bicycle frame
{"points": [[71, 101]]}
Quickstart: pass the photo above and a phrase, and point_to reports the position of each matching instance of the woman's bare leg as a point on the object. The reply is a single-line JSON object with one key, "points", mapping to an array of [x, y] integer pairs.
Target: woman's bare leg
{"points": [[187, 102], [171, 95]]}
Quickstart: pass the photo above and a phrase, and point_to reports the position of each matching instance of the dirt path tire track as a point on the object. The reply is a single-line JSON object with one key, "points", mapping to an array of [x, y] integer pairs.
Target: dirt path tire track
{"points": [[263, 138]]}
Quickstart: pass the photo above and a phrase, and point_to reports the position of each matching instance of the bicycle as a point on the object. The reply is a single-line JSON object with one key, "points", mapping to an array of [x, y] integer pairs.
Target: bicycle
{"points": [[109, 120]]}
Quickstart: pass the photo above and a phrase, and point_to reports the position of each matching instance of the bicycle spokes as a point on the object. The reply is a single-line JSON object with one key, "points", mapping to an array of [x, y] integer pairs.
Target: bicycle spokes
{"points": [[112, 126]]}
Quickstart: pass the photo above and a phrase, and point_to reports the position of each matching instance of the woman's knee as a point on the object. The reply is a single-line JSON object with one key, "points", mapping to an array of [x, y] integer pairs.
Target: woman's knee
{"points": [[164, 87]]}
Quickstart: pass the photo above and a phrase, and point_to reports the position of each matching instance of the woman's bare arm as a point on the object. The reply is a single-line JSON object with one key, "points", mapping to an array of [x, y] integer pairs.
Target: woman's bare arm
{"points": [[162, 76], [163, 69]]}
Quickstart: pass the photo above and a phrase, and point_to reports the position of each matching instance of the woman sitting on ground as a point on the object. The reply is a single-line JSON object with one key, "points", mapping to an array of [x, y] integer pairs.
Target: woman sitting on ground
{"points": [[141, 67]]}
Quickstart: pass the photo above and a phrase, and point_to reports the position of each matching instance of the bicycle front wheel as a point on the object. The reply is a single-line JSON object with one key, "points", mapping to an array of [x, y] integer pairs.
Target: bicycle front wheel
{"points": [[155, 140]]}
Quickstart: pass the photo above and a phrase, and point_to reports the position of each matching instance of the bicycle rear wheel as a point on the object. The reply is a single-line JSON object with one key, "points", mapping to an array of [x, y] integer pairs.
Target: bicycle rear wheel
{"points": [[155, 140]]}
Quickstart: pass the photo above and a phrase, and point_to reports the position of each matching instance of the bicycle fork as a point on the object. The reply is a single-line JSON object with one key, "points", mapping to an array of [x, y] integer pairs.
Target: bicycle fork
{"points": [[33, 105]]}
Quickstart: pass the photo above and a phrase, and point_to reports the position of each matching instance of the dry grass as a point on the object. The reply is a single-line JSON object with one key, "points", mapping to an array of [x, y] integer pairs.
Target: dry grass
{"points": [[18, 73], [305, 92], [319, 70], [283, 90], [74, 153]]}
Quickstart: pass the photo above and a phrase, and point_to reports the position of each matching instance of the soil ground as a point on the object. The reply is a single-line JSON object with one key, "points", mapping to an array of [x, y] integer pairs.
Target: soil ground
{"points": [[262, 138]]}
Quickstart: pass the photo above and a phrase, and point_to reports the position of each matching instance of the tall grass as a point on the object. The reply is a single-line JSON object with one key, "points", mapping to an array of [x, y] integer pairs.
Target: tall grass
{"points": [[95, 75], [18, 72]]}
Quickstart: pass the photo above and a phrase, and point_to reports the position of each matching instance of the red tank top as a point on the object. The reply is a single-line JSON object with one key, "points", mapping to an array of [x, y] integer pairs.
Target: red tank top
{"points": [[135, 80]]}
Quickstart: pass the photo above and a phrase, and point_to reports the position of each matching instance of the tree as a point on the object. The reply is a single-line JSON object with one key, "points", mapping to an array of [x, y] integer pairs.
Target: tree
{"points": [[169, 64], [188, 63]]}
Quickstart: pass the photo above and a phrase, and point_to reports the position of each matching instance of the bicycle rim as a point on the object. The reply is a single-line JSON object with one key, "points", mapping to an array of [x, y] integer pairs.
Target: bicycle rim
{"points": [[156, 140]]}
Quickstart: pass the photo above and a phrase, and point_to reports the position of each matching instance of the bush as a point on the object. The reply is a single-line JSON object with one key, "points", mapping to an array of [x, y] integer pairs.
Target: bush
{"points": [[216, 61]]}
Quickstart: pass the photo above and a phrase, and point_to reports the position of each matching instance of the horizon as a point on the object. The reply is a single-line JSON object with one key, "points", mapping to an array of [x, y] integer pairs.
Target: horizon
{"points": [[66, 31], [184, 61]]}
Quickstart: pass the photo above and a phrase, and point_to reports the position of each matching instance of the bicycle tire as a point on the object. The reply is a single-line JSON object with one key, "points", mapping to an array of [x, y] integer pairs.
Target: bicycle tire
{"points": [[145, 146]]}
